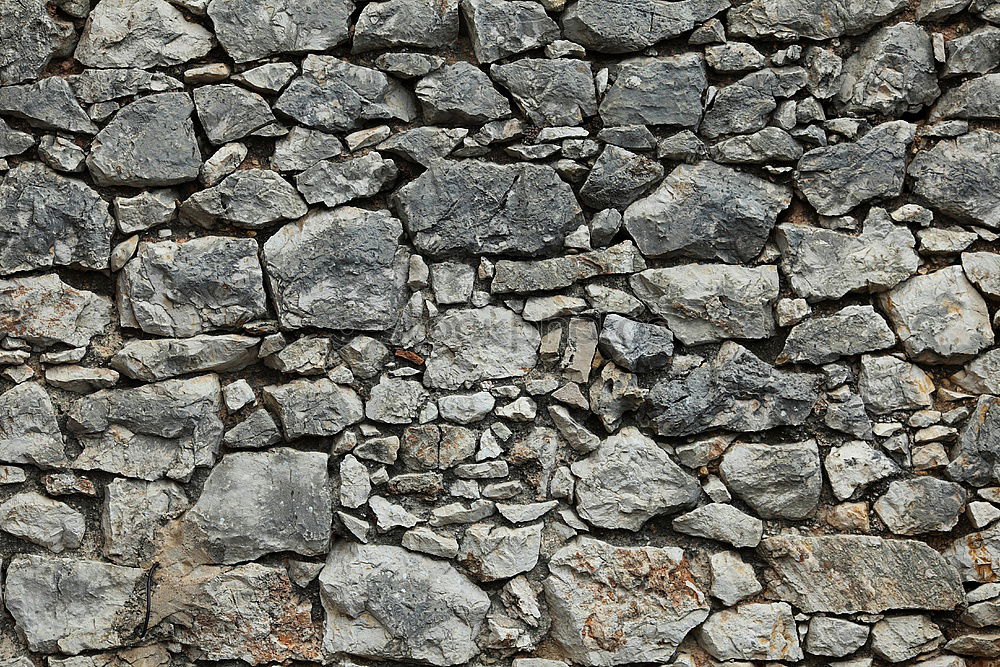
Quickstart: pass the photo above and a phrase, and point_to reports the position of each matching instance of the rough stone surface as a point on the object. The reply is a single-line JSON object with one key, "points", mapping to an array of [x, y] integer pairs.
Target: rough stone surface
{"points": [[778, 481], [248, 31], [44, 311]]}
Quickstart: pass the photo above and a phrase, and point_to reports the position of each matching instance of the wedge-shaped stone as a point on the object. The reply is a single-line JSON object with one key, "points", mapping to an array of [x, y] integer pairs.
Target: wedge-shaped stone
{"points": [[400, 23], [848, 574], [29, 432], [975, 458], [557, 91], [249, 198], [961, 177], [44, 311], [559, 272], [251, 30], [160, 359], [847, 332], [48, 104], [320, 407], [613, 27], [813, 19]]}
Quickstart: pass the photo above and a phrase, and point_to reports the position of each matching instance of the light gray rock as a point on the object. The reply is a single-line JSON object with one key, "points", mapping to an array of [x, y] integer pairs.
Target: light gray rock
{"points": [[80, 379], [338, 269], [424, 145], [636, 346], [49, 220], [960, 177], [657, 91], [406, 23], [558, 272], [834, 637], [921, 505], [248, 198], [145, 210], [812, 19], [149, 142], [104, 85], [766, 146], [249, 31], [29, 432], [981, 375], [756, 631], [976, 556], [899, 638], [133, 514], [302, 147], [45, 311], [159, 359], [14, 141], [256, 503], [557, 91], [335, 96], [847, 332], [314, 407], [178, 289], [68, 606], [491, 552], [705, 303], [474, 207], [826, 264], [887, 384], [628, 480], [256, 431], [618, 178], [974, 459], [837, 178], [779, 481], [355, 483], [387, 603], [426, 541], [808, 572], [166, 429], [975, 53], [611, 27], [460, 93], [335, 183], [42, 521], [722, 522], [395, 401], [983, 269], [267, 78], [166, 38], [596, 625], [431, 446], [389, 516], [60, 153], [466, 408], [48, 104], [498, 30], [227, 112], [707, 211], [852, 466], [732, 579], [29, 38], [745, 105], [734, 390]]}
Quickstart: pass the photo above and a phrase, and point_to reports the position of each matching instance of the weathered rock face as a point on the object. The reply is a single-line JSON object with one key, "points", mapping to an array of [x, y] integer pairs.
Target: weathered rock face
{"points": [[614, 605], [314, 407], [45, 311], [752, 632], [383, 602], [606, 26], [251, 198], [848, 332], [778, 481], [958, 177], [160, 359], [248, 31], [662, 91], [30, 36], [29, 432], [813, 19]]}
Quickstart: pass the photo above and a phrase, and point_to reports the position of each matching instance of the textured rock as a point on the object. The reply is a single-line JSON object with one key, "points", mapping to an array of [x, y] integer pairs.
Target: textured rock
{"points": [[166, 38], [752, 632], [613, 605], [611, 27], [921, 505], [48, 104], [248, 31], [707, 211], [722, 522], [334, 183], [227, 112], [779, 481], [30, 36], [657, 91], [959, 177], [384, 602], [44, 311], [811, 572], [636, 346], [974, 459], [460, 93], [250, 198], [319, 407], [477, 207], [847, 332], [983, 269], [852, 466], [133, 514], [177, 289], [42, 521], [618, 178], [557, 272], [491, 552], [339, 269], [401, 23], [813, 19], [160, 359], [887, 384], [29, 432], [550, 91]]}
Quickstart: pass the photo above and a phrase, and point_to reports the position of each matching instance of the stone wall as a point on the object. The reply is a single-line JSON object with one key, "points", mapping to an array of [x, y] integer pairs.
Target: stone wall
{"points": [[499, 332]]}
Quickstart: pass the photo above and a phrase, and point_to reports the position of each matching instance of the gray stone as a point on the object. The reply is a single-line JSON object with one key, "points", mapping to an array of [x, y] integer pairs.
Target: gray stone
{"points": [[611, 27], [837, 178], [550, 91], [335, 96], [981, 375], [267, 78], [426, 541], [976, 456], [42, 521], [29, 432], [256, 431], [657, 91], [834, 637], [256, 503], [355, 484], [80, 379], [628, 480], [248, 198], [51, 220], [14, 141], [492, 552], [501, 29], [149, 142], [335, 183], [159, 359], [847, 332], [812, 19], [973, 99], [384, 602], [29, 37], [756, 631], [166, 429], [474, 207], [178, 289], [402, 23], [732, 579], [424, 145], [618, 178], [636, 346], [308, 355], [133, 514], [104, 85], [558, 272], [302, 147], [809, 573], [705, 303], [983, 269], [746, 105], [722, 522], [460, 93], [596, 624], [852, 466], [407, 65], [48, 104], [975, 53], [939, 317], [338, 269], [961, 177], [251, 31], [899, 638], [921, 505], [826, 264], [887, 384], [314, 407], [68, 606], [227, 112], [166, 38], [60, 153], [707, 211], [779, 481], [45, 311], [147, 209], [432, 446], [467, 408], [395, 401], [766, 146]]}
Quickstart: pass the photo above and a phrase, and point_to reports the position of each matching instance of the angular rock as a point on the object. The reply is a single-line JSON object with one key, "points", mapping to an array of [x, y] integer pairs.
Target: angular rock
{"points": [[899, 638], [975, 457], [983, 269], [611, 27], [779, 481], [705, 303], [847, 332], [722, 522], [339, 269], [384, 602], [981, 375], [42, 521], [104, 85], [47, 219], [973, 99], [492, 552], [498, 30], [248, 198], [460, 93], [29, 432], [758, 631], [846, 574], [707, 211], [961, 177], [636, 346], [251, 31], [335, 183], [227, 112], [732, 579], [256, 431], [406, 23], [888, 384], [183, 289], [558, 272], [149, 142], [771, 144], [618, 178], [852, 466], [424, 145], [837, 178], [44, 311], [29, 37], [133, 513], [921, 505], [812, 19], [395, 401], [302, 147], [835, 637], [156, 430], [657, 91], [160, 359], [320, 407], [615, 605], [550, 91], [48, 104], [256, 503]]}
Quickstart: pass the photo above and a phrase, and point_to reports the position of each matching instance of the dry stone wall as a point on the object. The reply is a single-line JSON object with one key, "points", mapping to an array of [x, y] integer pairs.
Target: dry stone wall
{"points": [[499, 332]]}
